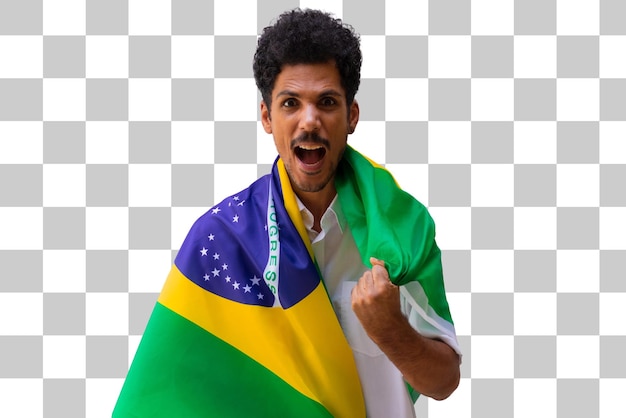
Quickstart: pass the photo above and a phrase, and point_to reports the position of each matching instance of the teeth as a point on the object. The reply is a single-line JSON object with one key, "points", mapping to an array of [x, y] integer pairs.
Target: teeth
{"points": [[310, 147]]}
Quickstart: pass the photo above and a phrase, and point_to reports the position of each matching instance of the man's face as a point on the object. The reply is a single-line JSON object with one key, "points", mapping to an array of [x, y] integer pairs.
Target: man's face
{"points": [[310, 122]]}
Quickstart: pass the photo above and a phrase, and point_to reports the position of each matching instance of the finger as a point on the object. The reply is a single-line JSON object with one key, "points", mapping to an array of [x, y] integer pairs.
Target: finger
{"points": [[376, 262]]}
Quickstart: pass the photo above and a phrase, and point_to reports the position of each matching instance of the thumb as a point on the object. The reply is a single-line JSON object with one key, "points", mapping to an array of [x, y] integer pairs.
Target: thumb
{"points": [[377, 262]]}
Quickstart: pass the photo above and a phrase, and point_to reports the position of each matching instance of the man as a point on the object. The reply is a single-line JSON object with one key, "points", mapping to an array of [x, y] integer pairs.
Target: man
{"points": [[317, 291]]}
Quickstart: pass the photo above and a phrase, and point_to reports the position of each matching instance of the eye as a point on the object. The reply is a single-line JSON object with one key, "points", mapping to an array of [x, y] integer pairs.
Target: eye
{"points": [[328, 101], [291, 102]]}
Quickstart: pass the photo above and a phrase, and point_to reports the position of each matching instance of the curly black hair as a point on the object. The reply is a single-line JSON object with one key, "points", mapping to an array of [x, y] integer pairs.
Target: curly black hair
{"points": [[307, 37]]}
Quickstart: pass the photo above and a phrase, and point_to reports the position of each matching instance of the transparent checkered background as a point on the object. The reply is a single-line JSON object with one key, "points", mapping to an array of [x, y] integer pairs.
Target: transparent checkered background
{"points": [[121, 121]]}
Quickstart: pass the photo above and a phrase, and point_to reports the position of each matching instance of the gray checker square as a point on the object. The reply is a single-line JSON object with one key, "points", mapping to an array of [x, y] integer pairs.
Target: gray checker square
{"points": [[64, 228], [107, 270], [449, 17], [21, 99], [535, 356], [141, 306], [568, 391], [492, 56], [150, 56], [235, 142], [107, 99], [578, 142], [612, 187], [24, 17], [193, 17], [612, 14], [270, 10], [613, 99], [64, 56], [612, 268], [192, 99], [449, 185], [21, 185], [107, 17], [456, 270], [465, 342], [492, 398], [449, 99], [406, 56], [64, 398], [371, 98], [366, 19], [535, 185], [492, 142], [150, 228], [535, 270], [22, 356], [578, 313], [150, 142], [578, 228], [578, 56], [27, 265], [64, 314], [232, 56], [535, 17], [107, 185], [612, 349], [263, 169], [107, 356], [492, 228], [484, 322], [192, 185], [64, 142], [535, 99], [406, 142]]}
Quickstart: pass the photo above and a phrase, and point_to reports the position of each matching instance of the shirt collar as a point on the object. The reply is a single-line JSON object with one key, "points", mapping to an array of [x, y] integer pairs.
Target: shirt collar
{"points": [[333, 216]]}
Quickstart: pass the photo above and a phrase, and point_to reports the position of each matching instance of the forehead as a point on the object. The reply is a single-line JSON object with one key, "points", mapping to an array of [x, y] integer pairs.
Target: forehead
{"points": [[304, 78]]}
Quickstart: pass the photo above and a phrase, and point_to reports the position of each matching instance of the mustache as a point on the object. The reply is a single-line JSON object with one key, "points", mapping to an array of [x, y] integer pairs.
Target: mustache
{"points": [[309, 137]]}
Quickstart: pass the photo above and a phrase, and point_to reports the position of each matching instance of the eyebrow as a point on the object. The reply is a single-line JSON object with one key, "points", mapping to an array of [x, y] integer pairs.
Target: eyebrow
{"points": [[329, 92]]}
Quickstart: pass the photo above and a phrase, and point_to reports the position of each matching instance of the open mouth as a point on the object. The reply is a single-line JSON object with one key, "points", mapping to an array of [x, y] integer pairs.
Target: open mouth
{"points": [[310, 154]]}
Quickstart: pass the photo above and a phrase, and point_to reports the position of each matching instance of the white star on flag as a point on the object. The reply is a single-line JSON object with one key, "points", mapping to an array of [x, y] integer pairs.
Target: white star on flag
{"points": [[236, 218], [211, 237], [216, 256], [215, 272], [203, 251], [224, 266], [227, 278], [247, 288], [215, 210], [206, 277], [260, 296], [236, 285], [255, 281]]}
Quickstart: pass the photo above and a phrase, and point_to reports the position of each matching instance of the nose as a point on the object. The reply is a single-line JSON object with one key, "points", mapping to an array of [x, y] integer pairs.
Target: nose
{"points": [[310, 118]]}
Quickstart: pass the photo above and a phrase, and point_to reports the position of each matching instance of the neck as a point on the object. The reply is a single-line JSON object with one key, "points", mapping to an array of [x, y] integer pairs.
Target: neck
{"points": [[317, 203]]}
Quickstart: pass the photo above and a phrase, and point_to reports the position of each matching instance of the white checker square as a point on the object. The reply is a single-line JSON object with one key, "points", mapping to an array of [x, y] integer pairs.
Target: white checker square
{"points": [[534, 228], [21, 313], [331, 6], [449, 56], [450, 142], [492, 17], [133, 343], [491, 185], [193, 142], [534, 56], [64, 99], [492, 99], [193, 56], [458, 405], [612, 144], [265, 148], [454, 227], [613, 228], [406, 99], [232, 179], [612, 398], [492, 271], [368, 140], [612, 57], [149, 99], [235, 99], [64, 17], [159, 23], [534, 142], [534, 398], [406, 17], [578, 271], [149, 185], [577, 99], [578, 185], [492, 356], [101, 319], [107, 142], [106, 57], [578, 17], [461, 311], [106, 228], [372, 49], [21, 228], [64, 271], [21, 142], [612, 308], [64, 356], [412, 178], [148, 269], [21, 398], [235, 17], [534, 314], [577, 357], [101, 396], [22, 56], [182, 219], [64, 185]]}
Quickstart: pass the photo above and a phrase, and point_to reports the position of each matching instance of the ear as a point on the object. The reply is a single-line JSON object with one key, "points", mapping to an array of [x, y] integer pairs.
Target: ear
{"points": [[353, 118], [265, 117]]}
